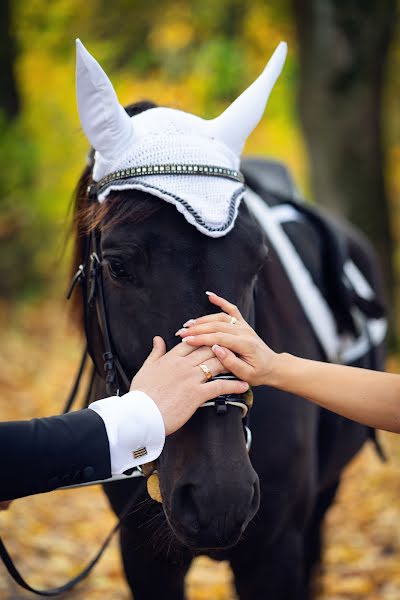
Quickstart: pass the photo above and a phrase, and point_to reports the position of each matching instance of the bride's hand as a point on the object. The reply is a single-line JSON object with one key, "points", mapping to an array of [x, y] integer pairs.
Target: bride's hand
{"points": [[233, 341]]}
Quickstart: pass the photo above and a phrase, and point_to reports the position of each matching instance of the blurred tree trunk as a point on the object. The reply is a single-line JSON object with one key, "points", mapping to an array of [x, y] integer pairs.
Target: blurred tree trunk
{"points": [[343, 47], [9, 98]]}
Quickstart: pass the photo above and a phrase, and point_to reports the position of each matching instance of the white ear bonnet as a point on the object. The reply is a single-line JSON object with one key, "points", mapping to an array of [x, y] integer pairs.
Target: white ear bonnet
{"points": [[183, 159]]}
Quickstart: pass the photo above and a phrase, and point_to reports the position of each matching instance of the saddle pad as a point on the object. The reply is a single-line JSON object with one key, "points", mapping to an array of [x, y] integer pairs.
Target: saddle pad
{"points": [[351, 321]]}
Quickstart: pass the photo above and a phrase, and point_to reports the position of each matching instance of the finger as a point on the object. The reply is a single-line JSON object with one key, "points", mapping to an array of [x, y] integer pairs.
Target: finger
{"points": [[209, 328], [221, 316], [219, 387], [200, 355], [181, 350], [232, 363], [226, 306], [228, 340], [158, 350], [213, 365]]}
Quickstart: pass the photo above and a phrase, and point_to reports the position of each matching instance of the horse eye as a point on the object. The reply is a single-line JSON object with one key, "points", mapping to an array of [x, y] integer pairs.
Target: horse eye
{"points": [[117, 269]]}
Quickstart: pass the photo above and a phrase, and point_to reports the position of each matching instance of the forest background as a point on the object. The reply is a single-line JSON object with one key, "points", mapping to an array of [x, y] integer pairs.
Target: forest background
{"points": [[333, 118]]}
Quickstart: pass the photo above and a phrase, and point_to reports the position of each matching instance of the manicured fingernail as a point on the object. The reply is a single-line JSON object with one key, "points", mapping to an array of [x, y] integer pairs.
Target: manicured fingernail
{"points": [[180, 331], [189, 323], [218, 351], [189, 338], [244, 386], [211, 293]]}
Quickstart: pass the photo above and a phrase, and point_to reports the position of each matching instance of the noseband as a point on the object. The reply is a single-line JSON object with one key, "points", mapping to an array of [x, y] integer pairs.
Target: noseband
{"points": [[242, 401]]}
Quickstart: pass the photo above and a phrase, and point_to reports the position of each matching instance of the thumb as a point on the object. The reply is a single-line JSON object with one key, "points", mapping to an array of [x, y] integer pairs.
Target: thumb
{"points": [[231, 362], [159, 349]]}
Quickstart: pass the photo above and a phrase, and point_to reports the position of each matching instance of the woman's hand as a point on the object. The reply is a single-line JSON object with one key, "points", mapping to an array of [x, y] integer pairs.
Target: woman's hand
{"points": [[178, 385], [238, 347]]}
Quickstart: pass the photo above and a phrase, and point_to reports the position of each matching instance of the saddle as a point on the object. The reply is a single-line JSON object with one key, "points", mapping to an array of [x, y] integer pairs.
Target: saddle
{"points": [[350, 298]]}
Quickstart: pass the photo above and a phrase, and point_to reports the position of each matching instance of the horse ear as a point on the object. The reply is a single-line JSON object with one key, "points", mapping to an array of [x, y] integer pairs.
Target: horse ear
{"points": [[104, 121], [237, 122]]}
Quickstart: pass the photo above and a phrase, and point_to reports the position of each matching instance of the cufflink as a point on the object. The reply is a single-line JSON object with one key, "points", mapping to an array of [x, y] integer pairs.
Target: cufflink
{"points": [[139, 452]]}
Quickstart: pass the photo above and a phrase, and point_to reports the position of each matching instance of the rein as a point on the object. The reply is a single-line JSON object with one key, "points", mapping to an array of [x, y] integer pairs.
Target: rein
{"points": [[16, 575]]}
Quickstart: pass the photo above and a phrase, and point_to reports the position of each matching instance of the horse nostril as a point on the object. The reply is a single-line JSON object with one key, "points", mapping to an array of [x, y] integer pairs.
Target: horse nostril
{"points": [[184, 505], [216, 520]]}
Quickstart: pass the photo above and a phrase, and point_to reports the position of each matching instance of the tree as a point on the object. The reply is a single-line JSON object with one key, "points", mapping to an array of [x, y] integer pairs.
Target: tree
{"points": [[18, 243], [9, 98], [343, 48]]}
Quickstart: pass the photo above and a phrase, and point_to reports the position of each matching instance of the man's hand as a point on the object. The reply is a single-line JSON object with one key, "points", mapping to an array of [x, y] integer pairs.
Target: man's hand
{"points": [[178, 385]]}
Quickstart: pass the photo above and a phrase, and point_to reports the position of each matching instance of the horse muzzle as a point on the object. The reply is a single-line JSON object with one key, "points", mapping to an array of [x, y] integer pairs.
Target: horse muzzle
{"points": [[215, 520]]}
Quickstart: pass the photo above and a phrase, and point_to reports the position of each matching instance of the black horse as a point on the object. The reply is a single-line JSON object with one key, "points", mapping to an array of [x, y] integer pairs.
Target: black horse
{"points": [[262, 511]]}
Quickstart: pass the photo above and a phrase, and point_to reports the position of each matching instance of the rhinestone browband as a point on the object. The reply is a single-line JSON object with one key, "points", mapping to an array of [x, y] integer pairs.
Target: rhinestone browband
{"points": [[207, 170]]}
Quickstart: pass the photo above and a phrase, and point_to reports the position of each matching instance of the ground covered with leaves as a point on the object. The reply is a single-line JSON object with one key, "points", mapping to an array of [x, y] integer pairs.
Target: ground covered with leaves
{"points": [[51, 536]]}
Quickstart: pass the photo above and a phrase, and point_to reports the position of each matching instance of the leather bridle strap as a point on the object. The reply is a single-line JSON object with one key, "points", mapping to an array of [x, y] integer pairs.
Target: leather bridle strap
{"points": [[76, 385], [112, 365]]}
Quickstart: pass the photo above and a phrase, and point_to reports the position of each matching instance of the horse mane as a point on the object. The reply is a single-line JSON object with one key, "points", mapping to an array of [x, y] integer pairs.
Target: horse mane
{"points": [[119, 208]]}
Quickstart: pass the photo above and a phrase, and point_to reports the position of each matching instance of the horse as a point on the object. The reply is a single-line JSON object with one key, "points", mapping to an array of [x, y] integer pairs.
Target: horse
{"points": [[261, 510]]}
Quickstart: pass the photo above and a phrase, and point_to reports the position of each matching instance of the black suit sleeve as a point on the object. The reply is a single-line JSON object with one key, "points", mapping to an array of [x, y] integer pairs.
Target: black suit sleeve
{"points": [[43, 454]]}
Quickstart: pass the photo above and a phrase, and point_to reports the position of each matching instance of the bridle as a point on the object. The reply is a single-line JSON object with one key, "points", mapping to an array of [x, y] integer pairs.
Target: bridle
{"points": [[113, 373], [89, 277]]}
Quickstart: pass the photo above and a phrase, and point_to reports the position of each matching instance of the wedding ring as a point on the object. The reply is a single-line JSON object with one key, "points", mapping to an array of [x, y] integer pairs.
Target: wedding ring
{"points": [[233, 320], [206, 371]]}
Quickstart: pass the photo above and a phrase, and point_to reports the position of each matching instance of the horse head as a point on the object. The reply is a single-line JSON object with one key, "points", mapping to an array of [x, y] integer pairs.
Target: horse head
{"points": [[155, 269]]}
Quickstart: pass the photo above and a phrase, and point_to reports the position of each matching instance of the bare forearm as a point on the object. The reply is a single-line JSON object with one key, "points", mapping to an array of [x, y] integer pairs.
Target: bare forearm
{"points": [[369, 397]]}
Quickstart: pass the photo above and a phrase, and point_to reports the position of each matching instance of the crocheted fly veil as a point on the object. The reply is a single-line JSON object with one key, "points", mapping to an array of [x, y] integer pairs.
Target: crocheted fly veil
{"points": [[185, 160]]}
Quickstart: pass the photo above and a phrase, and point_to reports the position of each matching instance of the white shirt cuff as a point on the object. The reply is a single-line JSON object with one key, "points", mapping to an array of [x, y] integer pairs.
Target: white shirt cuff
{"points": [[135, 429]]}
